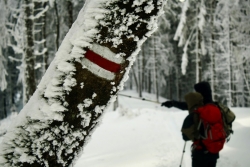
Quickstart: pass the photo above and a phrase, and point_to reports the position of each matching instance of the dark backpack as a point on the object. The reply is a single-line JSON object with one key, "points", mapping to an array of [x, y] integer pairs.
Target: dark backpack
{"points": [[211, 126]]}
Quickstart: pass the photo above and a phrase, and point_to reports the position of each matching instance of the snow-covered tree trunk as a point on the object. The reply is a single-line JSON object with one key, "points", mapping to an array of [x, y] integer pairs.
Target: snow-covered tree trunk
{"points": [[143, 72], [212, 68], [246, 86], [135, 78], [40, 35], [198, 58], [29, 63], [200, 23], [3, 46], [57, 30], [229, 55], [149, 82], [44, 36], [3, 73], [89, 69], [155, 64], [140, 71]]}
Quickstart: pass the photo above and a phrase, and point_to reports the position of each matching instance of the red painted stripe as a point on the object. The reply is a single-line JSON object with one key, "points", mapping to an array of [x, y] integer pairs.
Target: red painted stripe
{"points": [[102, 62]]}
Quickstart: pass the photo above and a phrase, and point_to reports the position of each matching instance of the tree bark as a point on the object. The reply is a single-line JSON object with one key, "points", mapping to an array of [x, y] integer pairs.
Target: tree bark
{"points": [[143, 68], [70, 12], [140, 70], [57, 25], [198, 51], [46, 54], [155, 70], [213, 71], [29, 76], [135, 78]]}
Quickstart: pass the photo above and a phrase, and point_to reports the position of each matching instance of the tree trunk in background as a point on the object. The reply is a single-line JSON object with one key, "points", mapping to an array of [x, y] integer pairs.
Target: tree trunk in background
{"points": [[149, 81], [57, 25], [143, 60], [213, 72], [29, 76], [197, 48], [131, 81], [155, 70], [246, 88], [178, 74], [135, 78], [231, 84], [140, 70], [231, 91], [46, 54], [70, 12], [5, 104], [116, 104], [170, 92], [198, 55]]}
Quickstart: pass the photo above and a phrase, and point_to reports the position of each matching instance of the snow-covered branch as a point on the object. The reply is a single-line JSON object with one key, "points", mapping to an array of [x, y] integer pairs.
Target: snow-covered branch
{"points": [[41, 13], [182, 22], [37, 53]]}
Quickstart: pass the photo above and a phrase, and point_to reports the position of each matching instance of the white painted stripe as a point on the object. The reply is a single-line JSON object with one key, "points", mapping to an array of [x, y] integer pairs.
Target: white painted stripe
{"points": [[106, 53], [97, 70]]}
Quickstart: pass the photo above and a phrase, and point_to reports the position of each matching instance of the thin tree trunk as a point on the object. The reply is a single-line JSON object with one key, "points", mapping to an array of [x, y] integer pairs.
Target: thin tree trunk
{"points": [[149, 81], [116, 104], [231, 90], [155, 70], [46, 54], [213, 71], [135, 78], [246, 88], [143, 69], [57, 25], [177, 81], [198, 48], [70, 12], [170, 92], [5, 104], [130, 81], [231, 84], [139, 75]]}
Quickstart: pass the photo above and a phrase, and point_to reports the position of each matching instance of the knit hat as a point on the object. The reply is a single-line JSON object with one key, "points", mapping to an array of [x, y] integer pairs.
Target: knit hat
{"points": [[205, 90], [193, 100]]}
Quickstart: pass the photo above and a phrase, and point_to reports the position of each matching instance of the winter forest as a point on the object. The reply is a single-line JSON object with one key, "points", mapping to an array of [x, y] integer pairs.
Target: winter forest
{"points": [[196, 40]]}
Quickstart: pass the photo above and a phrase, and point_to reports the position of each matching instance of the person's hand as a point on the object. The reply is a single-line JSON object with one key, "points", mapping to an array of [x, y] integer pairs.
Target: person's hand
{"points": [[167, 104]]}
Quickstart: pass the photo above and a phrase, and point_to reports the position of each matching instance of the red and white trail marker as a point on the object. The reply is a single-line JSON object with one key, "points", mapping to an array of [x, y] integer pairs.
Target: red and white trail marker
{"points": [[102, 62]]}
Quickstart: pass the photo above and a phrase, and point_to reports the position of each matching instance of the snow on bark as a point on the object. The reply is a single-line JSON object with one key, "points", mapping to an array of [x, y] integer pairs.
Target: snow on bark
{"points": [[3, 44], [3, 73], [54, 126], [28, 56]]}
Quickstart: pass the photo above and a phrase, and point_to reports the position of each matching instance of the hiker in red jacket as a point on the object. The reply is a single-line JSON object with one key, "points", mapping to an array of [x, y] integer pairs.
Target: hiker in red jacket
{"points": [[200, 105], [194, 129]]}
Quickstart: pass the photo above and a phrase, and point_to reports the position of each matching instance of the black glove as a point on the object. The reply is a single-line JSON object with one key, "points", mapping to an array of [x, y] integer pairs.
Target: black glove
{"points": [[167, 104]]}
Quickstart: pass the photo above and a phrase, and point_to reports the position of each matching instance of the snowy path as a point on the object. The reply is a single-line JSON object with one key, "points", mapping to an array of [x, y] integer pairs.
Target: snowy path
{"points": [[138, 139]]}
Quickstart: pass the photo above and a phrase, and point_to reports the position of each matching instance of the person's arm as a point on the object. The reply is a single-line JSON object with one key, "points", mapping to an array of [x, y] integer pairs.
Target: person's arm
{"points": [[178, 104]]}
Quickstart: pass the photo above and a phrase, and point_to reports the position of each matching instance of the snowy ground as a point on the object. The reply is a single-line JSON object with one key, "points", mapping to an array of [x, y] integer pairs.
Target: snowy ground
{"points": [[144, 134]]}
